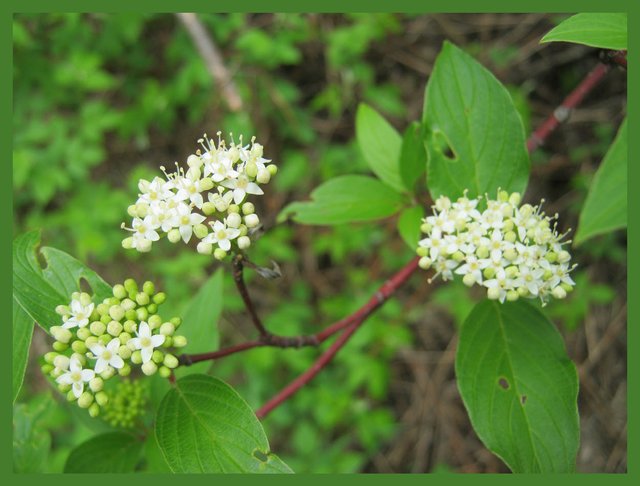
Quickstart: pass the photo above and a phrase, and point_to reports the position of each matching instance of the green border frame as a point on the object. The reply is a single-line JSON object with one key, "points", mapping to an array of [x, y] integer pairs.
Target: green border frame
{"points": [[434, 6]]}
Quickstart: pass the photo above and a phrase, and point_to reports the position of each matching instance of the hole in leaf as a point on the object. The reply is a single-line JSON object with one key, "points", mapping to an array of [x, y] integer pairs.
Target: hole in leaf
{"points": [[261, 456], [444, 146], [85, 286], [503, 382], [523, 399]]}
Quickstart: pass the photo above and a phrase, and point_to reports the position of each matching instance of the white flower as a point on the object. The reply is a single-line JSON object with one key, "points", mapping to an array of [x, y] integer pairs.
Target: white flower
{"points": [[185, 220], [146, 342], [241, 187], [473, 267], [107, 355], [163, 214], [190, 188], [221, 235], [76, 376], [155, 191], [435, 244], [145, 228], [79, 314]]}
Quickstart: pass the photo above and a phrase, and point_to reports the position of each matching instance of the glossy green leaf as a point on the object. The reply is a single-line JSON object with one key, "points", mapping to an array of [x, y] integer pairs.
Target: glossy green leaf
{"points": [[39, 290], [409, 225], [605, 30], [346, 199], [413, 158], [380, 144], [200, 322], [22, 332], [204, 426], [605, 208], [473, 134], [113, 452], [519, 386]]}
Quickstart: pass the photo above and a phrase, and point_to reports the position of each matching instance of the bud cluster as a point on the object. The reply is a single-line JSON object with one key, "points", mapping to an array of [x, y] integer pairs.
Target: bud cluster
{"points": [[97, 341], [513, 251], [175, 205], [126, 403]]}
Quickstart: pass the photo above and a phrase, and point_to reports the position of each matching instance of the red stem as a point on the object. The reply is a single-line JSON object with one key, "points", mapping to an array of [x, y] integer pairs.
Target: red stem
{"points": [[354, 321]]}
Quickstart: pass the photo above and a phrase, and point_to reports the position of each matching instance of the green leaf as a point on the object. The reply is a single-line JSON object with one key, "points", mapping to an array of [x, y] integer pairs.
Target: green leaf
{"points": [[204, 426], [200, 322], [346, 199], [22, 332], [380, 144], [605, 208], [473, 134], [605, 30], [113, 452], [409, 225], [154, 459], [31, 443], [40, 290], [413, 158], [519, 387]]}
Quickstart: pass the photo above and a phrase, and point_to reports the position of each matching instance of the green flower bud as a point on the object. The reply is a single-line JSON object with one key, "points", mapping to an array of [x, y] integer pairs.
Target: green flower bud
{"points": [[124, 351], [511, 271], [422, 251], [136, 357], [508, 226], [149, 288], [547, 275], [47, 368], [164, 372], [468, 280], [79, 347], [426, 228], [106, 319], [142, 298], [167, 329], [130, 285], [493, 293], [458, 256], [125, 370], [85, 400], [176, 321], [503, 196], [564, 256], [515, 198], [50, 357], [251, 220], [149, 368], [70, 396], [170, 361], [425, 262], [142, 209], [91, 340], [60, 334], [119, 291], [233, 208], [152, 309], [127, 243], [489, 273], [64, 388], [168, 342], [108, 372], [234, 220], [510, 254], [558, 292], [523, 291], [174, 235], [206, 184], [567, 287], [114, 328], [63, 310], [243, 230], [204, 248], [131, 315], [116, 313], [124, 337], [102, 398], [200, 230], [105, 339], [512, 295], [130, 326], [157, 356], [510, 236], [273, 169], [154, 321], [208, 209], [85, 299], [159, 298], [142, 314], [60, 347], [179, 341], [96, 384], [219, 254], [97, 328], [244, 242], [103, 309], [263, 177], [94, 410], [248, 208]]}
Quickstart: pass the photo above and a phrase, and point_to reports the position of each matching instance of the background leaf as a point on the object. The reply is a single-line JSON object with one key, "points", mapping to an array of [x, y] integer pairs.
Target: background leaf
{"points": [[606, 30], [113, 452], [409, 225], [22, 332], [413, 158], [380, 144], [31, 443], [204, 426], [473, 133], [519, 386], [346, 199], [605, 208], [200, 322]]}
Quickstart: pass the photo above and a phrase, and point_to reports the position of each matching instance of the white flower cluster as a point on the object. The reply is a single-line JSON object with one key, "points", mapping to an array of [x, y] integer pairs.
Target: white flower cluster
{"points": [[511, 251], [95, 342], [176, 206]]}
